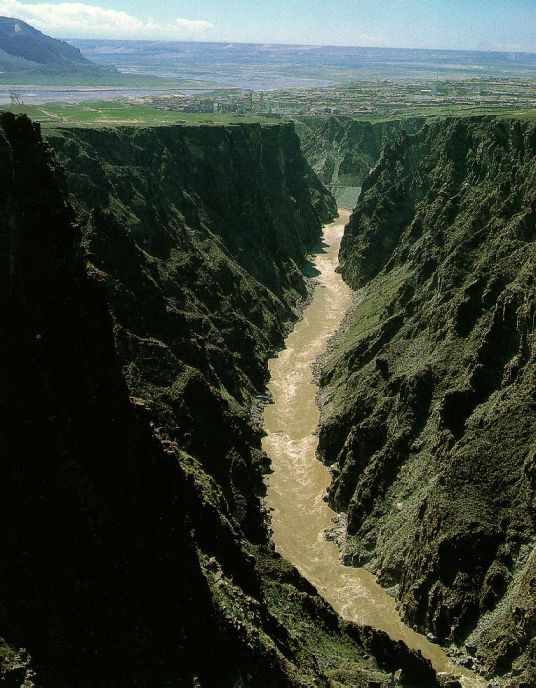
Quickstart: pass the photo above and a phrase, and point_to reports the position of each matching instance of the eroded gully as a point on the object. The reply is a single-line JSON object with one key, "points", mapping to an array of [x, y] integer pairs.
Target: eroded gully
{"points": [[298, 482]]}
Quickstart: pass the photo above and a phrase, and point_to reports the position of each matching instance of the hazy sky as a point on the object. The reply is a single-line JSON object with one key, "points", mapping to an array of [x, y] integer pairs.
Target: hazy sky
{"points": [[470, 24]]}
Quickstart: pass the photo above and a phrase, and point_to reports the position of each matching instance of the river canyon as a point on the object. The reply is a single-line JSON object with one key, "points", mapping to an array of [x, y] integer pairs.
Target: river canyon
{"points": [[303, 524], [150, 281]]}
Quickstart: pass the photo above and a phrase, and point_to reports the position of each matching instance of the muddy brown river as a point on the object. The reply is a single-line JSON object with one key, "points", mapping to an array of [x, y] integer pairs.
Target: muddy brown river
{"points": [[300, 516]]}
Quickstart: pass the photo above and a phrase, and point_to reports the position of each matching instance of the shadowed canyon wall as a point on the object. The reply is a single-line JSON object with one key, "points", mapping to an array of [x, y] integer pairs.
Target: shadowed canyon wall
{"points": [[93, 509], [201, 235]]}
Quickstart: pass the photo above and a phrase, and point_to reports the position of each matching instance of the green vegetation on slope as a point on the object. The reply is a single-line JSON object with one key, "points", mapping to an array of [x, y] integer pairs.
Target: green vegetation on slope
{"points": [[428, 401]]}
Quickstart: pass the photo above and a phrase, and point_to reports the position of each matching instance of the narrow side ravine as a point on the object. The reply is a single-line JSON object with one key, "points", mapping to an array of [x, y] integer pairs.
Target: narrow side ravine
{"points": [[295, 488]]}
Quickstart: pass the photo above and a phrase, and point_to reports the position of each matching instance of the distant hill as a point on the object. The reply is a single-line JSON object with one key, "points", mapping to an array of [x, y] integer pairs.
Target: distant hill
{"points": [[25, 49]]}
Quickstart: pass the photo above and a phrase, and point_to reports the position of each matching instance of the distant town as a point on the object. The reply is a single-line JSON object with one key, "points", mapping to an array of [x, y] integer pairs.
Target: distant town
{"points": [[361, 98]]}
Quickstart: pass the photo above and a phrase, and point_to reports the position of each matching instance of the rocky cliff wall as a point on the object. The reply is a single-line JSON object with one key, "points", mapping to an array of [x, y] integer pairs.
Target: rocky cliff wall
{"points": [[428, 397], [99, 574], [200, 234], [342, 150]]}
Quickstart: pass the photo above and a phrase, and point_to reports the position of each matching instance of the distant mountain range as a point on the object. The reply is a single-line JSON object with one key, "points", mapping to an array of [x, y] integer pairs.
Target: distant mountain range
{"points": [[24, 49], [263, 67]]}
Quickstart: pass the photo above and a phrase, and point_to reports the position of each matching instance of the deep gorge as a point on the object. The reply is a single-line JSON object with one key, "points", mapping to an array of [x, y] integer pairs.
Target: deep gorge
{"points": [[140, 318], [147, 276]]}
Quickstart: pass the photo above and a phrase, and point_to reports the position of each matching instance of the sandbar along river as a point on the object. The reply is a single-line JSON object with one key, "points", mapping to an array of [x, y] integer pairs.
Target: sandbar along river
{"points": [[295, 488]]}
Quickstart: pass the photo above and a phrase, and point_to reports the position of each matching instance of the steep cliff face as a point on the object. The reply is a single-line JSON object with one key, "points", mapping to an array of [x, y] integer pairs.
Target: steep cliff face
{"points": [[342, 150], [124, 558], [99, 575], [201, 235], [430, 391]]}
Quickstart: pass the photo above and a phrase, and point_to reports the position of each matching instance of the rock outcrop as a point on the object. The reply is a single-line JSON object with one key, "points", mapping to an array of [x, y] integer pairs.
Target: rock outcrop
{"points": [[342, 150], [429, 393]]}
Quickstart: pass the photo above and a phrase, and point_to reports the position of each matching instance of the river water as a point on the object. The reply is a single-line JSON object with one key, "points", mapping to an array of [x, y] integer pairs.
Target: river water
{"points": [[298, 482]]}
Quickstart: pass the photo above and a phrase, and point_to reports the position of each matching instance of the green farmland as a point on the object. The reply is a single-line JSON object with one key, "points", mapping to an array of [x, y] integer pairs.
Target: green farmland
{"points": [[117, 113]]}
